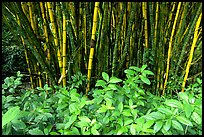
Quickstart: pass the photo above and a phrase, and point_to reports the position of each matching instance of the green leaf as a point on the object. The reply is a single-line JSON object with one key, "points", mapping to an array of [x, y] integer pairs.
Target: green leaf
{"points": [[177, 125], [183, 96], [145, 80], [94, 131], [167, 125], [62, 105], [112, 86], [105, 76], [116, 113], [157, 115], [71, 120], [173, 103], [188, 109], [143, 67], [120, 107], [196, 118], [122, 130], [18, 124], [164, 110], [126, 112], [184, 120], [101, 83], [114, 80], [127, 121], [130, 72], [148, 124], [11, 114], [73, 108], [135, 68], [148, 72], [35, 131], [102, 109], [39, 88], [105, 120], [158, 126], [132, 129], [85, 119], [74, 131], [130, 103]]}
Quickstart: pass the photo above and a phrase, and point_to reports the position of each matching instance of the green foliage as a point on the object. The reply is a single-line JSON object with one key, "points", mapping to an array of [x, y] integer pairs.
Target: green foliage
{"points": [[118, 107]]}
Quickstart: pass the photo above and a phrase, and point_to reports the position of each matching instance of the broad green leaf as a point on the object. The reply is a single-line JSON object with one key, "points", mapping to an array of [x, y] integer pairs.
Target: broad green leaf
{"points": [[48, 129], [127, 121], [11, 114], [158, 125], [164, 110], [101, 83], [177, 125], [196, 118], [157, 115], [129, 71], [173, 103], [62, 105], [148, 72], [120, 107], [143, 67], [116, 113], [120, 121], [105, 120], [167, 125], [188, 109], [126, 112], [74, 131], [145, 80], [135, 68], [132, 129], [184, 120], [148, 124], [112, 86], [130, 103], [122, 130], [35, 131], [54, 133], [18, 124], [85, 119], [73, 108], [94, 131], [114, 80], [148, 130], [72, 118], [183, 96], [102, 109], [39, 88], [105, 76]]}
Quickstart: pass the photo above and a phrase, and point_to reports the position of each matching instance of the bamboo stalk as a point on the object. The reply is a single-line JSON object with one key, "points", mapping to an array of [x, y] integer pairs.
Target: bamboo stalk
{"points": [[93, 38], [170, 46], [191, 52]]}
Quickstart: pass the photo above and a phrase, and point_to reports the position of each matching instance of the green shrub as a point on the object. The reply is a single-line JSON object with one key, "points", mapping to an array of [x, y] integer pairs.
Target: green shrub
{"points": [[118, 107]]}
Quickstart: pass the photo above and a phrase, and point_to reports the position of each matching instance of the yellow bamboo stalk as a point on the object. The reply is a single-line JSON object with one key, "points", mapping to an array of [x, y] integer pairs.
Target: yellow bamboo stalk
{"points": [[93, 38], [64, 51], [191, 51], [144, 7], [170, 46], [54, 31]]}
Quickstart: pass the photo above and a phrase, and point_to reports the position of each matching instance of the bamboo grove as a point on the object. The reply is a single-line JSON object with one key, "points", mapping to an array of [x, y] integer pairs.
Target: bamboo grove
{"points": [[62, 38]]}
